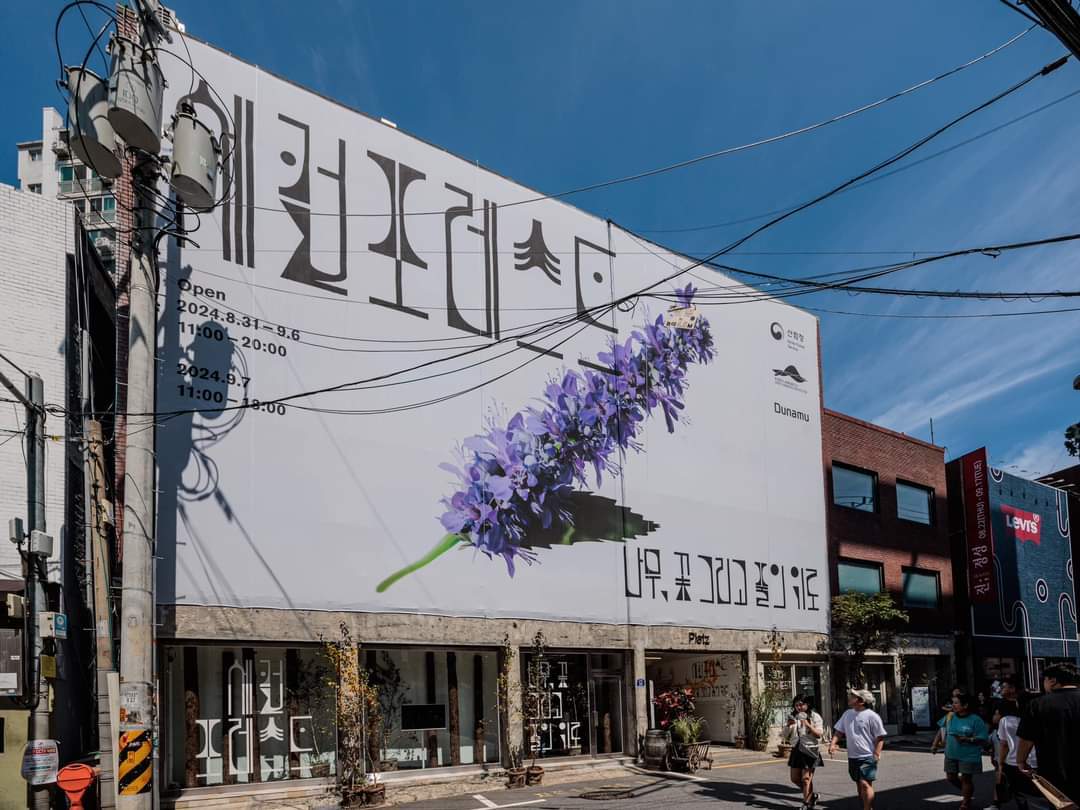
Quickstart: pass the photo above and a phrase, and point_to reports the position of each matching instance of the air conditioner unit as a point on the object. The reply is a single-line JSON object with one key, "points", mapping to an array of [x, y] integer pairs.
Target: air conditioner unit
{"points": [[61, 149], [102, 241]]}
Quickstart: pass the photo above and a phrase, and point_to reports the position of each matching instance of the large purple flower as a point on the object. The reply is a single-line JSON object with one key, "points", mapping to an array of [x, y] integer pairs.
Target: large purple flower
{"points": [[516, 478]]}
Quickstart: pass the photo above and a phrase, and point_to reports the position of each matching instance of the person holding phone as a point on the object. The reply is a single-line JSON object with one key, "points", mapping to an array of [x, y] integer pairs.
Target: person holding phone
{"points": [[805, 728], [966, 735]]}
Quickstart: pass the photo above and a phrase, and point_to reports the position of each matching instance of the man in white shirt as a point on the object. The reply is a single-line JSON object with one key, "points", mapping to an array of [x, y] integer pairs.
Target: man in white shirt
{"points": [[861, 726]]}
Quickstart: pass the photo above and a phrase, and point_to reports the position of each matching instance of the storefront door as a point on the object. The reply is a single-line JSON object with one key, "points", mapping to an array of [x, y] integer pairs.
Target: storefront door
{"points": [[605, 694], [879, 682]]}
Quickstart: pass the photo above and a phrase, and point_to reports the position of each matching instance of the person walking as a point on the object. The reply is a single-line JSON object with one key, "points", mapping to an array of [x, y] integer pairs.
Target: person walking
{"points": [[1010, 782], [939, 738], [966, 735], [1051, 725], [805, 728], [862, 729]]}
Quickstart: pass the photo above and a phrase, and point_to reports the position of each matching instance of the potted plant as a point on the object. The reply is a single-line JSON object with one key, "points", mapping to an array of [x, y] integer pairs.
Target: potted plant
{"points": [[391, 690], [760, 720], [677, 715], [687, 729], [534, 774], [515, 772], [359, 721]]}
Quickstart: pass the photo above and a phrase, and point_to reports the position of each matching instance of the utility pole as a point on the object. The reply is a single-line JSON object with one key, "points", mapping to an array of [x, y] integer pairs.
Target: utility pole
{"points": [[137, 603], [38, 550], [135, 85], [98, 515], [34, 687], [35, 498], [1058, 17]]}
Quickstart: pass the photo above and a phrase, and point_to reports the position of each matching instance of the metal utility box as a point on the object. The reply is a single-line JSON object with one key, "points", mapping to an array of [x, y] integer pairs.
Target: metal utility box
{"points": [[11, 663]]}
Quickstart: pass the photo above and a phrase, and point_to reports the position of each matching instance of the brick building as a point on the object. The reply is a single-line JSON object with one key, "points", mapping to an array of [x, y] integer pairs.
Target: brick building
{"points": [[1013, 553], [56, 300], [888, 531], [1067, 480]]}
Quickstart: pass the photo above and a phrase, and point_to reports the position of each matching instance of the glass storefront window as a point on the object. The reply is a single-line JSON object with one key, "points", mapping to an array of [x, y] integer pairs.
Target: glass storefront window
{"points": [[439, 707], [572, 703], [248, 714], [238, 715]]}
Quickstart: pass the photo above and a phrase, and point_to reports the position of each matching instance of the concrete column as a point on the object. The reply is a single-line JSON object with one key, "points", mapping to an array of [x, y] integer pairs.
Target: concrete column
{"points": [[641, 695]]}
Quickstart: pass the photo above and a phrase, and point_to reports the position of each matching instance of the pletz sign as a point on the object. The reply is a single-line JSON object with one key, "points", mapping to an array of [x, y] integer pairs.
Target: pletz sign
{"points": [[40, 760]]}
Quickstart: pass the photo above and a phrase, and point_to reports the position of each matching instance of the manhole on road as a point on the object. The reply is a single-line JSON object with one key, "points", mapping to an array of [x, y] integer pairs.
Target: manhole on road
{"points": [[608, 793]]}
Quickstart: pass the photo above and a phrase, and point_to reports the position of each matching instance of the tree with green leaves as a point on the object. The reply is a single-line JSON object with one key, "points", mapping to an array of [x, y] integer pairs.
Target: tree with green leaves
{"points": [[862, 623], [1072, 432], [1072, 439]]}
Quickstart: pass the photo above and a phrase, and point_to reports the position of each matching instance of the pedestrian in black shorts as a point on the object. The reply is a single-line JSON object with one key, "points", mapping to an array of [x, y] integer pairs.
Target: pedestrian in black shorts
{"points": [[805, 728], [1011, 783]]}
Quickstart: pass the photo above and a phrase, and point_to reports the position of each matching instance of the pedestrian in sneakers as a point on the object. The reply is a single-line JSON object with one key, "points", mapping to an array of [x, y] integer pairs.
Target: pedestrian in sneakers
{"points": [[1051, 725], [1011, 783], [805, 728], [862, 729], [966, 735]]}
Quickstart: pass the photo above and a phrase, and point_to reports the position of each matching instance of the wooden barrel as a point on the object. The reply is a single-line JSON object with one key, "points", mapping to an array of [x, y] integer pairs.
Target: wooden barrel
{"points": [[657, 742]]}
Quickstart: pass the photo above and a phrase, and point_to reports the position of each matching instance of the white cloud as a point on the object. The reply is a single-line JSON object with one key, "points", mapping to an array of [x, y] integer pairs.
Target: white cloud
{"points": [[1035, 458]]}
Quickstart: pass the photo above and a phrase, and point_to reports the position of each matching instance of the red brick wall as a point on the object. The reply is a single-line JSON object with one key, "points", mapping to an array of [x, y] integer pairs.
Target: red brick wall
{"points": [[127, 25], [881, 536]]}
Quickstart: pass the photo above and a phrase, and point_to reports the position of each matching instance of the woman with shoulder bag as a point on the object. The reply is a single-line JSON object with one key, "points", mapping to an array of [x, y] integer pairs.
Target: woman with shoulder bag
{"points": [[805, 728]]}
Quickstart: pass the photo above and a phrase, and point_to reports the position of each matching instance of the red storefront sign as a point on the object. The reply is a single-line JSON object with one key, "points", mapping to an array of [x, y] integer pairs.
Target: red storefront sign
{"points": [[1027, 526], [982, 584]]}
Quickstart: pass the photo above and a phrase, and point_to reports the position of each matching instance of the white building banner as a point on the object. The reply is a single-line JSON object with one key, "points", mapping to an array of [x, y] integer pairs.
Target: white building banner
{"points": [[491, 437]]}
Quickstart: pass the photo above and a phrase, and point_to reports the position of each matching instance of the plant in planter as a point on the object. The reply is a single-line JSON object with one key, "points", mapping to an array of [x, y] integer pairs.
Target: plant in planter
{"points": [[515, 774], [687, 729], [391, 688], [359, 721], [535, 688], [511, 714], [760, 719], [674, 704]]}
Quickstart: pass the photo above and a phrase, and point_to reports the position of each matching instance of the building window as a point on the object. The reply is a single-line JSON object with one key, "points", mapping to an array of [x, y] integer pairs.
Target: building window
{"points": [[34, 188], [854, 488], [35, 155], [784, 681], [67, 174], [921, 589], [247, 715], [914, 503], [572, 703], [859, 577], [440, 707]]}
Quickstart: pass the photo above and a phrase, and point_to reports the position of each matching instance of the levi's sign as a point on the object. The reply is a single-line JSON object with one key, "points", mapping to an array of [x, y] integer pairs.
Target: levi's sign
{"points": [[1026, 525]]}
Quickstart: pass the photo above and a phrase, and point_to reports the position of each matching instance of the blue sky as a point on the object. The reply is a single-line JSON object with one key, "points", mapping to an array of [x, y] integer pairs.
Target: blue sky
{"points": [[562, 94]]}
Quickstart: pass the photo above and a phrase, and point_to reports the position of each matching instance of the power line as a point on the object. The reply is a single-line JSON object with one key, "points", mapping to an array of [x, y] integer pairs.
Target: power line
{"points": [[942, 316], [587, 312], [876, 179], [12, 363], [700, 158]]}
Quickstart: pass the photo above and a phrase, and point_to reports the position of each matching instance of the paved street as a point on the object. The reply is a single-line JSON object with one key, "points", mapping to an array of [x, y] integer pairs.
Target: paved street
{"points": [[908, 779]]}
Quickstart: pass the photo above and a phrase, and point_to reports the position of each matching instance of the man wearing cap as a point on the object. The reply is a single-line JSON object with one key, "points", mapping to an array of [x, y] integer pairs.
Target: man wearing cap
{"points": [[861, 726]]}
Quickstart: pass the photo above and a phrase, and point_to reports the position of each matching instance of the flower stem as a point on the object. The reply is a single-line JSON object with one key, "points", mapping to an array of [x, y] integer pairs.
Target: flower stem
{"points": [[444, 545]]}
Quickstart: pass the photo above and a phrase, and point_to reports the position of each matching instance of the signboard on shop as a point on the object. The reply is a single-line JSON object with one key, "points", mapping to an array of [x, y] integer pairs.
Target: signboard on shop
{"points": [[492, 436], [40, 760]]}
